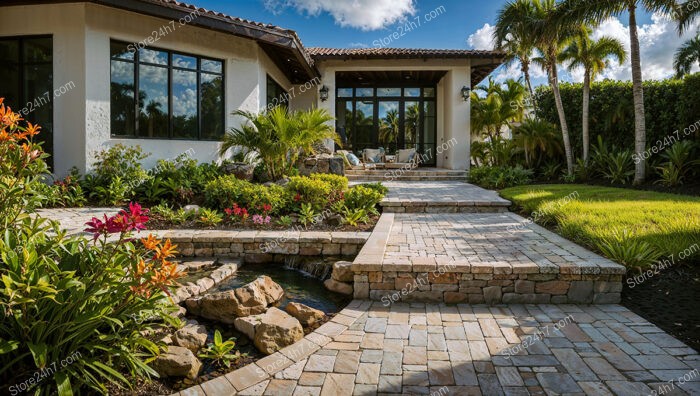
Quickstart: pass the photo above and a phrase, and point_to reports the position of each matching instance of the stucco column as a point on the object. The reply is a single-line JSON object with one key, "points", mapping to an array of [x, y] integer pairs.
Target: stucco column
{"points": [[328, 79], [455, 146]]}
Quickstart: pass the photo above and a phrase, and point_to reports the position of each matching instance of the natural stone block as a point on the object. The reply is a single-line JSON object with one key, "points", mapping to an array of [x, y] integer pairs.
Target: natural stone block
{"points": [[552, 287], [581, 292], [524, 286], [492, 294]]}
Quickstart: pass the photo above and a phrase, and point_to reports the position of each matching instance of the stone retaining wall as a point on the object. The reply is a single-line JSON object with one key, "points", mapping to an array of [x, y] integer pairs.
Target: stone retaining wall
{"points": [[265, 246], [443, 207], [479, 288]]}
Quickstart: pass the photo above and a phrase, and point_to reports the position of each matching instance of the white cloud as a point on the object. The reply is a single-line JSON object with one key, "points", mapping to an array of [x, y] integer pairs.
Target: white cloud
{"points": [[658, 42], [482, 39], [361, 14]]}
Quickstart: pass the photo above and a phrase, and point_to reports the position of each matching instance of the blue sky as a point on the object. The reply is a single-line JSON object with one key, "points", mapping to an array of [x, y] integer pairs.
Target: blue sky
{"points": [[459, 24]]}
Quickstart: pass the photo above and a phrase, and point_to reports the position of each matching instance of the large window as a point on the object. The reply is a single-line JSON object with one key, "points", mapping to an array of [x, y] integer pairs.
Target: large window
{"points": [[180, 96], [26, 67], [390, 117], [276, 95]]}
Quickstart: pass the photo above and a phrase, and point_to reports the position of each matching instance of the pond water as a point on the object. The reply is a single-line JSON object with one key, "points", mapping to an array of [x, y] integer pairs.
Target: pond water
{"points": [[299, 286]]}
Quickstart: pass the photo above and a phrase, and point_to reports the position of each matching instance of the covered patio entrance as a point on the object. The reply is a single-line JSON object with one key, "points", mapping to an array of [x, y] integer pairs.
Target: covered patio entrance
{"points": [[389, 109]]}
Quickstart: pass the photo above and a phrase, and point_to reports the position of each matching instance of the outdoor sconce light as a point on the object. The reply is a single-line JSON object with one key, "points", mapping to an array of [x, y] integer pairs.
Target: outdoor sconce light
{"points": [[323, 93], [465, 93]]}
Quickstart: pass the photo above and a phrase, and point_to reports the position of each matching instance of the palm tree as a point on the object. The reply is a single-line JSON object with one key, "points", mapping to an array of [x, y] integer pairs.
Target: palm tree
{"points": [[686, 55], [278, 138], [576, 12], [518, 47], [535, 18], [537, 137], [494, 106], [592, 56]]}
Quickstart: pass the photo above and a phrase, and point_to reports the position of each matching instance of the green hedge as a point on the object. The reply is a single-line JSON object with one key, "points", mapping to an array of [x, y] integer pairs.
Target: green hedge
{"points": [[669, 104]]}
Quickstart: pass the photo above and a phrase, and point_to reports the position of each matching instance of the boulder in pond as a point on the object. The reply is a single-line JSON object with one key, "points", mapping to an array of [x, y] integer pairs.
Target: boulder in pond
{"points": [[306, 315], [338, 287], [177, 362], [342, 271], [276, 330], [250, 299]]}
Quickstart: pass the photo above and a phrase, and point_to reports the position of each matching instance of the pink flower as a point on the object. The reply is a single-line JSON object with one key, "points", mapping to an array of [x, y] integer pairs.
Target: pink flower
{"points": [[257, 219], [135, 219], [98, 227]]}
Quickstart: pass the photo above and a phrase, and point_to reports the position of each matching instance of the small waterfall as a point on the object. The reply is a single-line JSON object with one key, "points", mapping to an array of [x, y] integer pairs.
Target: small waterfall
{"points": [[314, 266]]}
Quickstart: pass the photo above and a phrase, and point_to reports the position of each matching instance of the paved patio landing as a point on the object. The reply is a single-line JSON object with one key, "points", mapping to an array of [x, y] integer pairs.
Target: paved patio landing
{"points": [[441, 197], [423, 349]]}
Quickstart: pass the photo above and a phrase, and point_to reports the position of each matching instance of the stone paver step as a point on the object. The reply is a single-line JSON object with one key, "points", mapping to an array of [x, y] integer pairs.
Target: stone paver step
{"points": [[376, 348]]}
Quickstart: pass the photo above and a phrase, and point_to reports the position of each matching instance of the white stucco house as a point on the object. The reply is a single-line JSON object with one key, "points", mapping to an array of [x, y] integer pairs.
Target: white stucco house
{"points": [[167, 76]]}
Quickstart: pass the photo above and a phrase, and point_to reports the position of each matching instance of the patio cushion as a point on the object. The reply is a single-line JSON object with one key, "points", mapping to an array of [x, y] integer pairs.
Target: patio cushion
{"points": [[352, 158], [373, 156], [406, 155]]}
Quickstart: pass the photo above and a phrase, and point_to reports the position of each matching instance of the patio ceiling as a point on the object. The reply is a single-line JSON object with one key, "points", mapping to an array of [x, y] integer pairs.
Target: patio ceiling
{"points": [[386, 77]]}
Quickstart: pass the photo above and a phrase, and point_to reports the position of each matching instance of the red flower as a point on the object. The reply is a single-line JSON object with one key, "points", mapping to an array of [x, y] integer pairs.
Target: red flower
{"points": [[297, 198], [98, 227], [135, 219], [228, 212], [266, 207]]}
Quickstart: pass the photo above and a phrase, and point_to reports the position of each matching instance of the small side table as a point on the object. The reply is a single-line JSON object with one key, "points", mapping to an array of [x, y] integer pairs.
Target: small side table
{"points": [[390, 159]]}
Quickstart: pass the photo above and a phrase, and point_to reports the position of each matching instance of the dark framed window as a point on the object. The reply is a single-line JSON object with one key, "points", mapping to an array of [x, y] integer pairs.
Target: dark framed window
{"points": [[162, 94], [26, 67], [392, 117], [276, 95]]}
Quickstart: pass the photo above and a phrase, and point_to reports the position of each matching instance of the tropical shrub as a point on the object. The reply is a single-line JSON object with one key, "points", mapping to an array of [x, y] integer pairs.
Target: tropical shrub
{"points": [[220, 351], [225, 191], [365, 198], [680, 159], [338, 184], [278, 137], [69, 299], [119, 161], [619, 167], [316, 192], [379, 187], [500, 177], [669, 105]]}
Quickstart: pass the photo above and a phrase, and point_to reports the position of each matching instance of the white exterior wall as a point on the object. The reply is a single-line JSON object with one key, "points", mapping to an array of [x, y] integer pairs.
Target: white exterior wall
{"points": [[453, 113], [81, 37], [66, 22]]}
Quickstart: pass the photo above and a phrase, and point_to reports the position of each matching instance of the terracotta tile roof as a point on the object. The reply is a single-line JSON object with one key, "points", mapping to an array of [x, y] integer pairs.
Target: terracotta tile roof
{"points": [[325, 53]]}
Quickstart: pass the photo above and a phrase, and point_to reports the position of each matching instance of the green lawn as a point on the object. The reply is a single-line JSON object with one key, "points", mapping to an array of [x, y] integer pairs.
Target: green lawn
{"points": [[621, 223]]}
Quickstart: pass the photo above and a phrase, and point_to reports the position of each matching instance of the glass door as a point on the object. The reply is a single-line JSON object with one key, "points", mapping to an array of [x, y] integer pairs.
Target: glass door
{"points": [[389, 129]]}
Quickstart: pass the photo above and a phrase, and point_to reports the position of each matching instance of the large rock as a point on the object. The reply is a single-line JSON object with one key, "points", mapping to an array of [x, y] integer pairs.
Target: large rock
{"points": [[342, 271], [338, 287], [273, 292], [306, 315], [322, 163], [247, 324], [250, 299], [177, 362], [192, 337], [276, 330], [241, 170]]}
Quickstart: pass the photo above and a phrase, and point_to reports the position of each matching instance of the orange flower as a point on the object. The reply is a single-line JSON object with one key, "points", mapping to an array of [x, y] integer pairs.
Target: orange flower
{"points": [[8, 117], [150, 243], [165, 251], [6, 137], [32, 130]]}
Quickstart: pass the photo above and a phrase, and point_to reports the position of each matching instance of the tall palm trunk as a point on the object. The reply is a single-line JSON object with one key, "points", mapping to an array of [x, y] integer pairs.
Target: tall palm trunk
{"points": [[638, 94], [525, 68], [584, 122], [554, 82]]}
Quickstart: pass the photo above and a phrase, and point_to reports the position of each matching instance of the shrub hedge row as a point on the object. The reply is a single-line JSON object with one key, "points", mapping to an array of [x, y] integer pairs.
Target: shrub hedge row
{"points": [[670, 105]]}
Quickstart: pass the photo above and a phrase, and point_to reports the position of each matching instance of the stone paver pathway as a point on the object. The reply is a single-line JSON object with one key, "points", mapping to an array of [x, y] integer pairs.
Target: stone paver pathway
{"points": [[466, 349], [486, 240], [440, 192], [73, 219]]}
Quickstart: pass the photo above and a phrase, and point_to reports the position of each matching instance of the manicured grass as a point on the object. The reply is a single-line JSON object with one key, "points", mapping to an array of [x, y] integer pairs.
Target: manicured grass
{"points": [[592, 215]]}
